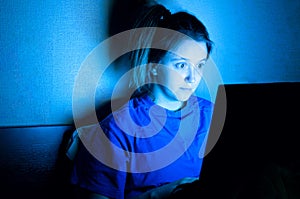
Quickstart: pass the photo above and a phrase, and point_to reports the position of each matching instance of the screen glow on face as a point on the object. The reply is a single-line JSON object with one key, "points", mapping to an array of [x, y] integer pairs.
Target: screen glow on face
{"points": [[184, 66], [181, 71]]}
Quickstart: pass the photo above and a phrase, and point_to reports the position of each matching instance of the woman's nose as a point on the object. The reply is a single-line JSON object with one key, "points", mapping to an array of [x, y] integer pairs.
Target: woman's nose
{"points": [[190, 75]]}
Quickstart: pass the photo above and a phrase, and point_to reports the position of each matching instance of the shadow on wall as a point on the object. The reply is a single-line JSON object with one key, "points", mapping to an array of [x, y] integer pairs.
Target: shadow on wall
{"points": [[122, 16]]}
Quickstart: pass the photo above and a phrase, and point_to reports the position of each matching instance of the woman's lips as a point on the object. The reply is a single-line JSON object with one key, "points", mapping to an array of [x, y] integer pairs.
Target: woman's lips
{"points": [[186, 89]]}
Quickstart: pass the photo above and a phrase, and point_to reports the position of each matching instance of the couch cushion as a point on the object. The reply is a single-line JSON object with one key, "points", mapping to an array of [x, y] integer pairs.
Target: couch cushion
{"points": [[32, 160]]}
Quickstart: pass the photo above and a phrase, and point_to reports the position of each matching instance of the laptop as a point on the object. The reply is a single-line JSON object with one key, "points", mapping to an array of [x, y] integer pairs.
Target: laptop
{"points": [[257, 140]]}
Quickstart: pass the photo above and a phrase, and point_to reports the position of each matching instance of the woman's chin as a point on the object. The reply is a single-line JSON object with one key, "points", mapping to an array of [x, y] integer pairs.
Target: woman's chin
{"points": [[183, 98]]}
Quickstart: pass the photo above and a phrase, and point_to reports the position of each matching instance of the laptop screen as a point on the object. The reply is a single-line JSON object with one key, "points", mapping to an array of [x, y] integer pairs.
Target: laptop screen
{"points": [[253, 126]]}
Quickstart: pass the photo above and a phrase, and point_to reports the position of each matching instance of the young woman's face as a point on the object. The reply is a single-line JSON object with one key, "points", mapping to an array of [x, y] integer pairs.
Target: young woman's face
{"points": [[180, 71]]}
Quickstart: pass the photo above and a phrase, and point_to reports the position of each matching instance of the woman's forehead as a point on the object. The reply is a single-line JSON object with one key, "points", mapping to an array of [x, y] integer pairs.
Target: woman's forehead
{"points": [[189, 49]]}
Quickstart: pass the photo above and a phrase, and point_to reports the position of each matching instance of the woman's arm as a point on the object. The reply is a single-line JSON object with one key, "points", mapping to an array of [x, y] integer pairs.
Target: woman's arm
{"points": [[96, 196], [165, 190], [81, 193]]}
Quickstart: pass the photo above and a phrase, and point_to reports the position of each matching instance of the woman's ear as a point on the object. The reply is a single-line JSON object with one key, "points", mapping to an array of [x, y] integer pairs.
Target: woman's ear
{"points": [[154, 71]]}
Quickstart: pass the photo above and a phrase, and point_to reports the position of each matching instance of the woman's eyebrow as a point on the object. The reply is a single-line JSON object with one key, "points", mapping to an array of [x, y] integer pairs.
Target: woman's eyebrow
{"points": [[203, 60], [177, 58]]}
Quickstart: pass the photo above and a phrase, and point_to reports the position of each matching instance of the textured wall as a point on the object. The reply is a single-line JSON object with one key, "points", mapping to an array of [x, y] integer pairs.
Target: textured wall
{"points": [[43, 43]]}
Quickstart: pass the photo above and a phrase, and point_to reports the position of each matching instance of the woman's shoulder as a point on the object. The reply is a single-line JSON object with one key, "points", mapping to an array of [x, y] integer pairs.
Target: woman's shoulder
{"points": [[134, 108]]}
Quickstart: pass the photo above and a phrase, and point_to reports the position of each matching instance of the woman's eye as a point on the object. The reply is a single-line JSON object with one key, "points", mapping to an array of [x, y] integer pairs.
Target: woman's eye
{"points": [[200, 65], [181, 65]]}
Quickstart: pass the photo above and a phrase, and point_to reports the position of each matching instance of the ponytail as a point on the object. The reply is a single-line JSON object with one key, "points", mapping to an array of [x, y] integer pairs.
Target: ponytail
{"points": [[149, 17]]}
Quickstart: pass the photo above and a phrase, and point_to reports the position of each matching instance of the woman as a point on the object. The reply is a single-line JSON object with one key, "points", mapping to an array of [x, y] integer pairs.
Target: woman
{"points": [[163, 126]]}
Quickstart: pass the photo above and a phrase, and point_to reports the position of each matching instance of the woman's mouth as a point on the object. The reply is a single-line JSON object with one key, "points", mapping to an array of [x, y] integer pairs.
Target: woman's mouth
{"points": [[186, 89]]}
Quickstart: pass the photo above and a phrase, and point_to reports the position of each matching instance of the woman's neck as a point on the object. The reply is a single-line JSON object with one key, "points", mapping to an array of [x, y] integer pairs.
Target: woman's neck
{"points": [[168, 103]]}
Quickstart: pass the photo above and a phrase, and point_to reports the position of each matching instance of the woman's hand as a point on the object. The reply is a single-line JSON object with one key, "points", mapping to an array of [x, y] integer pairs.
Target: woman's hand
{"points": [[165, 191]]}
